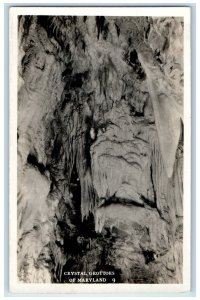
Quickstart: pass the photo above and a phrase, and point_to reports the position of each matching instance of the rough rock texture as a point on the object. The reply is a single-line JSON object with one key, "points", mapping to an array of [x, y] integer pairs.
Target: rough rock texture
{"points": [[100, 148]]}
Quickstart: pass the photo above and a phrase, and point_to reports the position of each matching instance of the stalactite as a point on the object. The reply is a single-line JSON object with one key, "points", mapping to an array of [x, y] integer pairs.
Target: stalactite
{"points": [[162, 101]]}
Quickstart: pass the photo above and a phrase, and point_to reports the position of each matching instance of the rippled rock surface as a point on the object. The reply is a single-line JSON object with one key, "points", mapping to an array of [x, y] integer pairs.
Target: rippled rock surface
{"points": [[100, 148]]}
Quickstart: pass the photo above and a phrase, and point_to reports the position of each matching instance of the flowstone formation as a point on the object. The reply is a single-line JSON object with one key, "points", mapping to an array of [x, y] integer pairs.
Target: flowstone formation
{"points": [[100, 148]]}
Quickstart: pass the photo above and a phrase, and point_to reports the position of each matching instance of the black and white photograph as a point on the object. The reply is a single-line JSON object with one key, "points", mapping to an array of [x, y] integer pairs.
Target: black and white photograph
{"points": [[101, 140]]}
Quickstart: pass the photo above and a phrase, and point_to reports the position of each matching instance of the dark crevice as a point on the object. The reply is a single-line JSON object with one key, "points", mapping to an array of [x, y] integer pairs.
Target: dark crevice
{"points": [[149, 256], [154, 190], [32, 160], [132, 60], [133, 57], [129, 41], [139, 113], [100, 25], [148, 202], [116, 200], [118, 30], [147, 30], [66, 99], [68, 70], [165, 45], [141, 74], [56, 148], [83, 45], [76, 81]]}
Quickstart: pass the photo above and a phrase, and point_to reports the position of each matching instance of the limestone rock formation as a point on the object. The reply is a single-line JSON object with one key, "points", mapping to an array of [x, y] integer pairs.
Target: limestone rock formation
{"points": [[100, 148]]}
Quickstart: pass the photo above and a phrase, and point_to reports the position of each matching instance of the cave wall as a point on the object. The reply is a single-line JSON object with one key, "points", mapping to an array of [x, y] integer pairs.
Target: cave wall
{"points": [[100, 147]]}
